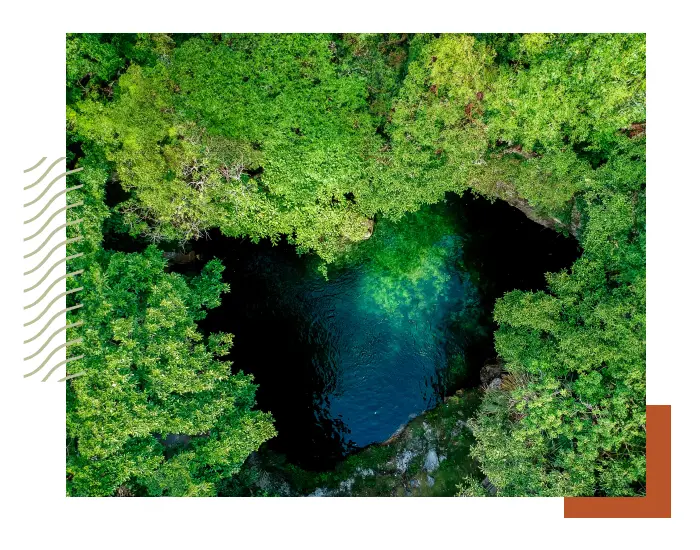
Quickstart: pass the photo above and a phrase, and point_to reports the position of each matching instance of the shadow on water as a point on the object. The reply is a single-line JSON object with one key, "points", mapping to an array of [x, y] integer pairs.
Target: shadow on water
{"points": [[406, 318]]}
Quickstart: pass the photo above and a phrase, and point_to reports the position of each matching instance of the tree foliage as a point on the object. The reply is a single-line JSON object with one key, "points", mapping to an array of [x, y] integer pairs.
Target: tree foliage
{"points": [[156, 411], [570, 418], [150, 374], [259, 135], [308, 137]]}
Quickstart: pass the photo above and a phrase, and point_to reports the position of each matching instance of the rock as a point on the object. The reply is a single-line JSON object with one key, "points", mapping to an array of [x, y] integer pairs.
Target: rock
{"points": [[365, 472], [356, 228], [507, 192], [490, 371], [180, 257], [495, 384], [430, 481], [403, 460], [346, 486], [273, 484], [431, 461], [395, 435], [123, 492], [369, 223], [490, 487], [414, 483], [460, 426]]}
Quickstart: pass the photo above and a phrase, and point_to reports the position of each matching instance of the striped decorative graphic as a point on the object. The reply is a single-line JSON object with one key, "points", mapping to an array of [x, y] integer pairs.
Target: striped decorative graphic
{"points": [[45, 280]]}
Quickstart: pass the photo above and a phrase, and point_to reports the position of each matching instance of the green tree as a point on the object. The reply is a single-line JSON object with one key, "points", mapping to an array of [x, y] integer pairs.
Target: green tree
{"points": [[258, 135], [150, 373], [570, 416], [529, 125], [308, 137], [93, 61]]}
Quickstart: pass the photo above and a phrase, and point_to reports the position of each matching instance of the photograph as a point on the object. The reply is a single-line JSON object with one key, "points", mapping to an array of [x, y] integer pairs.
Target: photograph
{"points": [[375, 265], [352, 276]]}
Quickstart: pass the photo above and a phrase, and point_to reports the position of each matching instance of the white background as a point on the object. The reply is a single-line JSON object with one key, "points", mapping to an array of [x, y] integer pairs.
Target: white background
{"points": [[35, 510]]}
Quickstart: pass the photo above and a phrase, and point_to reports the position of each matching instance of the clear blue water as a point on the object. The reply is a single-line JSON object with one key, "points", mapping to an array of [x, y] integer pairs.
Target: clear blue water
{"points": [[344, 361], [381, 344]]}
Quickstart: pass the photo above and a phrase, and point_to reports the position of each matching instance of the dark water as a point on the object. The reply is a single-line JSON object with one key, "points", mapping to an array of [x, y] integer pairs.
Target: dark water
{"points": [[343, 362]]}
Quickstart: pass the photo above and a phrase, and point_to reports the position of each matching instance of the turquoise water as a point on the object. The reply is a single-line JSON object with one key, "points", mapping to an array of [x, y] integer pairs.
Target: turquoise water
{"points": [[344, 361], [382, 337]]}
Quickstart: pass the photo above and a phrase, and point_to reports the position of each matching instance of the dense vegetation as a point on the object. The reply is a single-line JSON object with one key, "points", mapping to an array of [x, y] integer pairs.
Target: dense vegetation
{"points": [[150, 374], [311, 138]]}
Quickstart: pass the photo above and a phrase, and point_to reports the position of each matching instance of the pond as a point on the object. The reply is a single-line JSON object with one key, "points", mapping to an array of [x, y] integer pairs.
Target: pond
{"points": [[344, 360]]}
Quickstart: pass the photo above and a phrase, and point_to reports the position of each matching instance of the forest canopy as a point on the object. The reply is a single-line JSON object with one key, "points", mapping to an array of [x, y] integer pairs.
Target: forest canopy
{"points": [[312, 138]]}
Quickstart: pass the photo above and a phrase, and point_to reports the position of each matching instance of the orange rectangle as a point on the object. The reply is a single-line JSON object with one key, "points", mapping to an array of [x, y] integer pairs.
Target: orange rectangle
{"points": [[657, 502]]}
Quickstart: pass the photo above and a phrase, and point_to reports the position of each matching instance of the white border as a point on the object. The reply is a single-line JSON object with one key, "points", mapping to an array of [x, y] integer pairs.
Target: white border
{"points": [[33, 426]]}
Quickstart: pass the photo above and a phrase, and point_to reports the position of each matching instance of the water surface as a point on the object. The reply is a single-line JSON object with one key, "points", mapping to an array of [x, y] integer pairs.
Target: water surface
{"points": [[344, 361]]}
